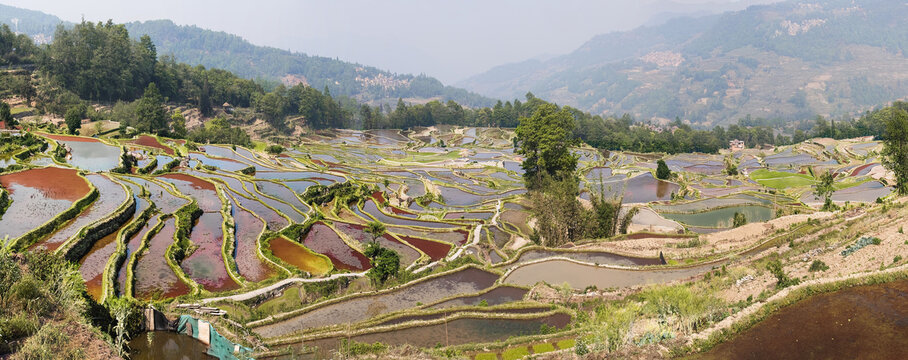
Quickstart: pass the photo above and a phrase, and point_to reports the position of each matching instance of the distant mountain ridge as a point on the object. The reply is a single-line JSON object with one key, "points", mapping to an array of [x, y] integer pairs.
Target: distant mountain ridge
{"points": [[787, 60], [197, 46]]}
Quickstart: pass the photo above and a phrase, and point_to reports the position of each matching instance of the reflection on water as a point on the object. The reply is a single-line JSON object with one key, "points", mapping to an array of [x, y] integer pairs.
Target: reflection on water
{"points": [[157, 345]]}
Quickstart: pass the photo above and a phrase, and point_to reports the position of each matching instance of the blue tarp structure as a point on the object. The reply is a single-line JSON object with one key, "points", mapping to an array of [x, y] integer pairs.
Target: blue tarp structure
{"points": [[218, 346]]}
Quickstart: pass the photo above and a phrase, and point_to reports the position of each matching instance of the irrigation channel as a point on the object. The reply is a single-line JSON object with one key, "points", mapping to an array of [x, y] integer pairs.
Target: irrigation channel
{"points": [[278, 241]]}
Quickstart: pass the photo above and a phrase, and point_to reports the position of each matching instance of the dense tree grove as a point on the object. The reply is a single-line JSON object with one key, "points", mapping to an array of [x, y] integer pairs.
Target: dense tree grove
{"points": [[545, 139], [15, 49], [895, 141]]}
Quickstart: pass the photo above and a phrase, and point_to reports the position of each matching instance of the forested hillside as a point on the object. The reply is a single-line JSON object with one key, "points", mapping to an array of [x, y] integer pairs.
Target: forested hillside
{"points": [[196, 46], [790, 60]]}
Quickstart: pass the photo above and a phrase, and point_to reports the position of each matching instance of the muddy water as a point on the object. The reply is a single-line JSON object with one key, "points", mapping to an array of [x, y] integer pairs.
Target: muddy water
{"points": [[865, 322], [323, 240], [297, 255], [202, 191], [454, 332], [92, 265], [433, 249], [458, 237], [38, 195], [594, 257], [356, 232], [93, 156], [152, 142], [291, 212], [580, 276], [440, 315], [639, 189], [469, 280], [370, 208], [166, 202], [132, 244], [282, 192], [723, 217], [110, 196], [273, 220], [247, 229], [206, 265], [153, 277], [298, 175], [482, 215], [223, 164], [167, 345], [497, 296], [227, 153]]}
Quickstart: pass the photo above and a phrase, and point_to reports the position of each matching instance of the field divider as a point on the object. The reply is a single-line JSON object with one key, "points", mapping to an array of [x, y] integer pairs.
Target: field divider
{"points": [[293, 313], [74, 248]]}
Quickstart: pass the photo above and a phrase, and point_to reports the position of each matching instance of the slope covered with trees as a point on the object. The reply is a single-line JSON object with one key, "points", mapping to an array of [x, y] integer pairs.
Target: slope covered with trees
{"points": [[789, 60], [196, 46]]}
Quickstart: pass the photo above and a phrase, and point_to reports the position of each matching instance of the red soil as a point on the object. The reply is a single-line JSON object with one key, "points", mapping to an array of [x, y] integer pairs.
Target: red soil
{"points": [[69, 138], [56, 183], [196, 182], [152, 142]]}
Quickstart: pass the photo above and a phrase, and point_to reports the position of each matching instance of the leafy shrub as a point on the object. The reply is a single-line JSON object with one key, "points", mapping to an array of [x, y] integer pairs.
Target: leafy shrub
{"points": [[248, 171], [354, 348], [818, 265], [739, 220], [861, 243], [580, 348], [783, 281]]}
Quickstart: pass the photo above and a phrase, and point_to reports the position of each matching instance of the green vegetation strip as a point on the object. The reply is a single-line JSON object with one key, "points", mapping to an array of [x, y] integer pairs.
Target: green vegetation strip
{"points": [[780, 179], [119, 256], [229, 239], [182, 246], [143, 245], [77, 246]]}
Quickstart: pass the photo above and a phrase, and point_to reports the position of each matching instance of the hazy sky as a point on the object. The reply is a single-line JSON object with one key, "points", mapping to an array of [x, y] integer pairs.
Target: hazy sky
{"points": [[450, 40]]}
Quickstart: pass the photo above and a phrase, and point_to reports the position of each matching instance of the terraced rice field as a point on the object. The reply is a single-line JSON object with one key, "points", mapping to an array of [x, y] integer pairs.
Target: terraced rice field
{"points": [[257, 236]]}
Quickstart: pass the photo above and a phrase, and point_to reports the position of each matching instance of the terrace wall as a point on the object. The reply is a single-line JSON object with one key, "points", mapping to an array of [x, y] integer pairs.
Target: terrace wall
{"points": [[78, 246]]}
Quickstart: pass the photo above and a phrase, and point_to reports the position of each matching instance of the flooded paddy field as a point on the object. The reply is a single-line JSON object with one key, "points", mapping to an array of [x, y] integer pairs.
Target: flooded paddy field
{"points": [[299, 256], [324, 240], [154, 279], [248, 228], [353, 310], [92, 265], [579, 276], [454, 332], [860, 322], [37, 196], [441, 207], [206, 265], [110, 196]]}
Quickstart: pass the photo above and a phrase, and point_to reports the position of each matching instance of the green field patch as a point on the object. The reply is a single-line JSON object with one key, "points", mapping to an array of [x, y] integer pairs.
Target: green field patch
{"points": [[487, 356], [543, 348], [566, 344], [515, 353], [780, 179]]}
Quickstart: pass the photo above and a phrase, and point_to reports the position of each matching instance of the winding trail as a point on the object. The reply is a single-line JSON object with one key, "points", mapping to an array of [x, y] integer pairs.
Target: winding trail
{"points": [[260, 291]]}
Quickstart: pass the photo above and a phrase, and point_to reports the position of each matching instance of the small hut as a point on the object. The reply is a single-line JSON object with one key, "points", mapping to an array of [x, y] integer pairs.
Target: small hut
{"points": [[228, 108]]}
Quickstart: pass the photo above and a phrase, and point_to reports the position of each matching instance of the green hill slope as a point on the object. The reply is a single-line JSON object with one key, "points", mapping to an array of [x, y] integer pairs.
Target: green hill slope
{"points": [[788, 60]]}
